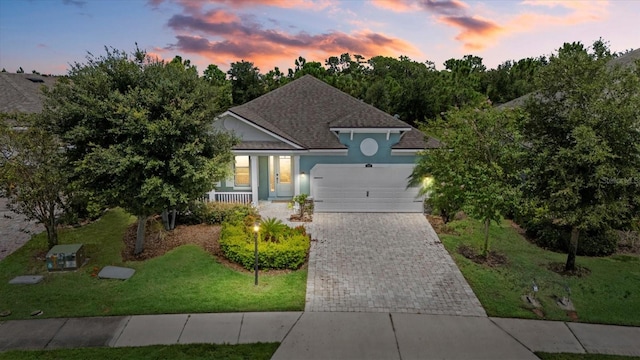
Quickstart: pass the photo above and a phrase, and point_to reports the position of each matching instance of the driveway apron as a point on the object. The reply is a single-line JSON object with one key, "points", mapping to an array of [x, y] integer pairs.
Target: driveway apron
{"points": [[383, 262]]}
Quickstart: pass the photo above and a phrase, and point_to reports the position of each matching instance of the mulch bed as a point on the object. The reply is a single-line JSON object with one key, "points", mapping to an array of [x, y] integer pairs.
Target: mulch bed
{"points": [[159, 241], [493, 259], [558, 268], [439, 226]]}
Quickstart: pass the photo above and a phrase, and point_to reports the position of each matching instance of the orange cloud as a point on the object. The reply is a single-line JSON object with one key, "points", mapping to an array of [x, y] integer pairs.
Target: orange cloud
{"points": [[475, 32], [397, 6], [579, 12]]}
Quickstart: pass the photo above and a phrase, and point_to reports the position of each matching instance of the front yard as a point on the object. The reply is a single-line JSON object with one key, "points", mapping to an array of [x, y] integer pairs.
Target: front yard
{"points": [[187, 279], [606, 293]]}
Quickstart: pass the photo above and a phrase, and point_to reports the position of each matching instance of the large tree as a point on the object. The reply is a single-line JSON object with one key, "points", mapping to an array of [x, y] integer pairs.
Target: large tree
{"points": [[138, 131], [473, 169], [32, 175], [584, 138]]}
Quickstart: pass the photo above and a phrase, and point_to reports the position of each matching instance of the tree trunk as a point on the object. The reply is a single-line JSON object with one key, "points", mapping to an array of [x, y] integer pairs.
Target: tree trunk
{"points": [[173, 219], [142, 221], [573, 250], [485, 250], [165, 219], [50, 226]]}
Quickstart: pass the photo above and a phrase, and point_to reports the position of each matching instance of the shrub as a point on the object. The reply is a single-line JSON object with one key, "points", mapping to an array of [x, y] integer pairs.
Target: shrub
{"points": [[272, 229], [237, 244], [199, 212], [601, 242]]}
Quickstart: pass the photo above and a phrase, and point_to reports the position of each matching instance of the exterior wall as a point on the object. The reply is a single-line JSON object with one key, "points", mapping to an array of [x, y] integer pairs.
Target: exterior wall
{"points": [[354, 156]]}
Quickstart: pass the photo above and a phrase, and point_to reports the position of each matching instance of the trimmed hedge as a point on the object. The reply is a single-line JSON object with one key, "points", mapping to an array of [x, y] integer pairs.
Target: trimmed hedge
{"points": [[290, 252]]}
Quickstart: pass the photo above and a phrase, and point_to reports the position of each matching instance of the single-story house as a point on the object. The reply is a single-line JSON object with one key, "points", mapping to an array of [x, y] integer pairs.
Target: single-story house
{"points": [[308, 137]]}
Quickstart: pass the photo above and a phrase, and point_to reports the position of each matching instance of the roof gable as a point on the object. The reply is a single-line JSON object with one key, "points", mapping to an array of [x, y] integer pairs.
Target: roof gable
{"points": [[304, 110]]}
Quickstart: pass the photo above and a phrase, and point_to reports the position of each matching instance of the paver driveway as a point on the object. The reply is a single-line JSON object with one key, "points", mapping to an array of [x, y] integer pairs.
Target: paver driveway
{"points": [[381, 262]]}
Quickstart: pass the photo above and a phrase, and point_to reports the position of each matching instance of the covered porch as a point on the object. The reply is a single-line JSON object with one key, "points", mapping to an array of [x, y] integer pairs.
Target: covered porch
{"points": [[260, 177]]}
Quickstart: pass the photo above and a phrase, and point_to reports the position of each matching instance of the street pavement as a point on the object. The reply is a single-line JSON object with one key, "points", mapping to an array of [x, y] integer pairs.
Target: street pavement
{"points": [[332, 335]]}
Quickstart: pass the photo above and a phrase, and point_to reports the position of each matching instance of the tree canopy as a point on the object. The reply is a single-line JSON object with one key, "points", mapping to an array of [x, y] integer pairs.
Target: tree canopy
{"points": [[584, 137], [138, 131]]}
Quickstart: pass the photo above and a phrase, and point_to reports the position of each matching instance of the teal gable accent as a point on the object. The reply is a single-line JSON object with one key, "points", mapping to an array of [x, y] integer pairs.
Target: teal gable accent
{"points": [[355, 155]]}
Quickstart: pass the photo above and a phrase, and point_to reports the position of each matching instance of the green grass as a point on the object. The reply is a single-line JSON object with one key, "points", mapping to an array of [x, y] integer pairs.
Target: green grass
{"points": [[184, 352], [609, 294], [567, 356], [185, 280]]}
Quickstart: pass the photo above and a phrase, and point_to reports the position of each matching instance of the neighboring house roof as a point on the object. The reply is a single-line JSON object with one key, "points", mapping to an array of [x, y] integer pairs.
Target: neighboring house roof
{"points": [[305, 110], [22, 92], [627, 59]]}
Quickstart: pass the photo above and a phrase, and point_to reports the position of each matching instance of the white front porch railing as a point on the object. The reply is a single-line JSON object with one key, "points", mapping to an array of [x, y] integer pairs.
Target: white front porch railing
{"points": [[229, 197]]}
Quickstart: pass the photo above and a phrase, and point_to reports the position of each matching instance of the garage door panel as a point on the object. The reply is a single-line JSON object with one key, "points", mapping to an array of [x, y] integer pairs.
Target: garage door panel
{"points": [[355, 188]]}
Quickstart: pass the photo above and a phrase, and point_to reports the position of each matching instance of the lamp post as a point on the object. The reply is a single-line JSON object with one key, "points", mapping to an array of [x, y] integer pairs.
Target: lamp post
{"points": [[256, 229]]}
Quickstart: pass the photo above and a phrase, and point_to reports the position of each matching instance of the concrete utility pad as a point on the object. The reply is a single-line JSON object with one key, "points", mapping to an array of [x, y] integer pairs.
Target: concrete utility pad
{"points": [[212, 329], [143, 330], [619, 340], [26, 279], [28, 334], [454, 337], [340, 336], [539, 335], [116, 272], [267, 327], [87, 332]]}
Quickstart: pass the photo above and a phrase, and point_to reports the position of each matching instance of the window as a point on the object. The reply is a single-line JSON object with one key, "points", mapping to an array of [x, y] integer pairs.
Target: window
{"points": [[242, 177]]}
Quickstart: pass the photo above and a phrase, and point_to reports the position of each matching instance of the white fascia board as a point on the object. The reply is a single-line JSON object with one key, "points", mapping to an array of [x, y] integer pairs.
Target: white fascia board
{"points": [[370, 130], [291, 152], [240, 118], [269, 152], [328, 151], [405, 151]]}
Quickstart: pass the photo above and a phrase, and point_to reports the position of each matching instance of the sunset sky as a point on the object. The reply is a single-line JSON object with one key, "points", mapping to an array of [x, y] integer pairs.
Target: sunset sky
{"points": [[48, 35]]}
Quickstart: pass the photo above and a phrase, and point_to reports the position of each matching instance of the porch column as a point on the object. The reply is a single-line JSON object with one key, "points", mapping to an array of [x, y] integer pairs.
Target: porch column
{"points": [[254, 179], [296, 175]]}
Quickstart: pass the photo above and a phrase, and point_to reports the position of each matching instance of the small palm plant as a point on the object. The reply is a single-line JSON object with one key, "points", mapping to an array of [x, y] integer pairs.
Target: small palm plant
{"points": [[272, 229]]}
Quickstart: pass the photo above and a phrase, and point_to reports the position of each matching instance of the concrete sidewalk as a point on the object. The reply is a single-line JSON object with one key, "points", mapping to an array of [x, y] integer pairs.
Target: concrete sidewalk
{"points": [[335, 335]]}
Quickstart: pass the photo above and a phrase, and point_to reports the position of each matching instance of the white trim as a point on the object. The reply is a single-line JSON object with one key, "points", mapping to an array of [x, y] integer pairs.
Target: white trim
{"points": [[296, 175], [240, 118], [328, 151], [254, 179], [370, 130], [268, 152], [405, 151]]}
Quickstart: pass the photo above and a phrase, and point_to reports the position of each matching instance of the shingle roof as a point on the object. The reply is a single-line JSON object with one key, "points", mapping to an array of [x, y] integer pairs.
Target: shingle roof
{"points": [[304, 110], [22, 92]]}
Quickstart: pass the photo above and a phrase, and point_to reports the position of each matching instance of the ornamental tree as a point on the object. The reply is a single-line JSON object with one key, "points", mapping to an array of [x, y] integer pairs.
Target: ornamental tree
{"points": [[584, 137], [138, 131], [474, 168]]}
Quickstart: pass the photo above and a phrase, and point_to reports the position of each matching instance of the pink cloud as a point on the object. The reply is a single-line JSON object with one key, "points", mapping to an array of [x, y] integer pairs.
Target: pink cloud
{"points": [[220, 35]]}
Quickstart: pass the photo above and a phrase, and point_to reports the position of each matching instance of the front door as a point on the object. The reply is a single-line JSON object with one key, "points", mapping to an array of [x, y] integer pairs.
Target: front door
{"points": [[280, 176]]}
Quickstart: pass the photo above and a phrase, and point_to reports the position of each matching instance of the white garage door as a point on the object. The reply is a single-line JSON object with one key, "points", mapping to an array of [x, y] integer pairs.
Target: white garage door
{"points": [[356, 188]]}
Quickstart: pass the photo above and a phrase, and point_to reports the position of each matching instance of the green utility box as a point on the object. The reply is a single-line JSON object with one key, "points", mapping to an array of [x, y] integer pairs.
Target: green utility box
{"points": [[65, 257]]}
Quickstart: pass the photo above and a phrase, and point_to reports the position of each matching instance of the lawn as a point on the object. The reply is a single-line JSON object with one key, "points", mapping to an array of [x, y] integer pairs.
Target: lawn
{"points": [[185, 352], [184, 280], [609, 294]]}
